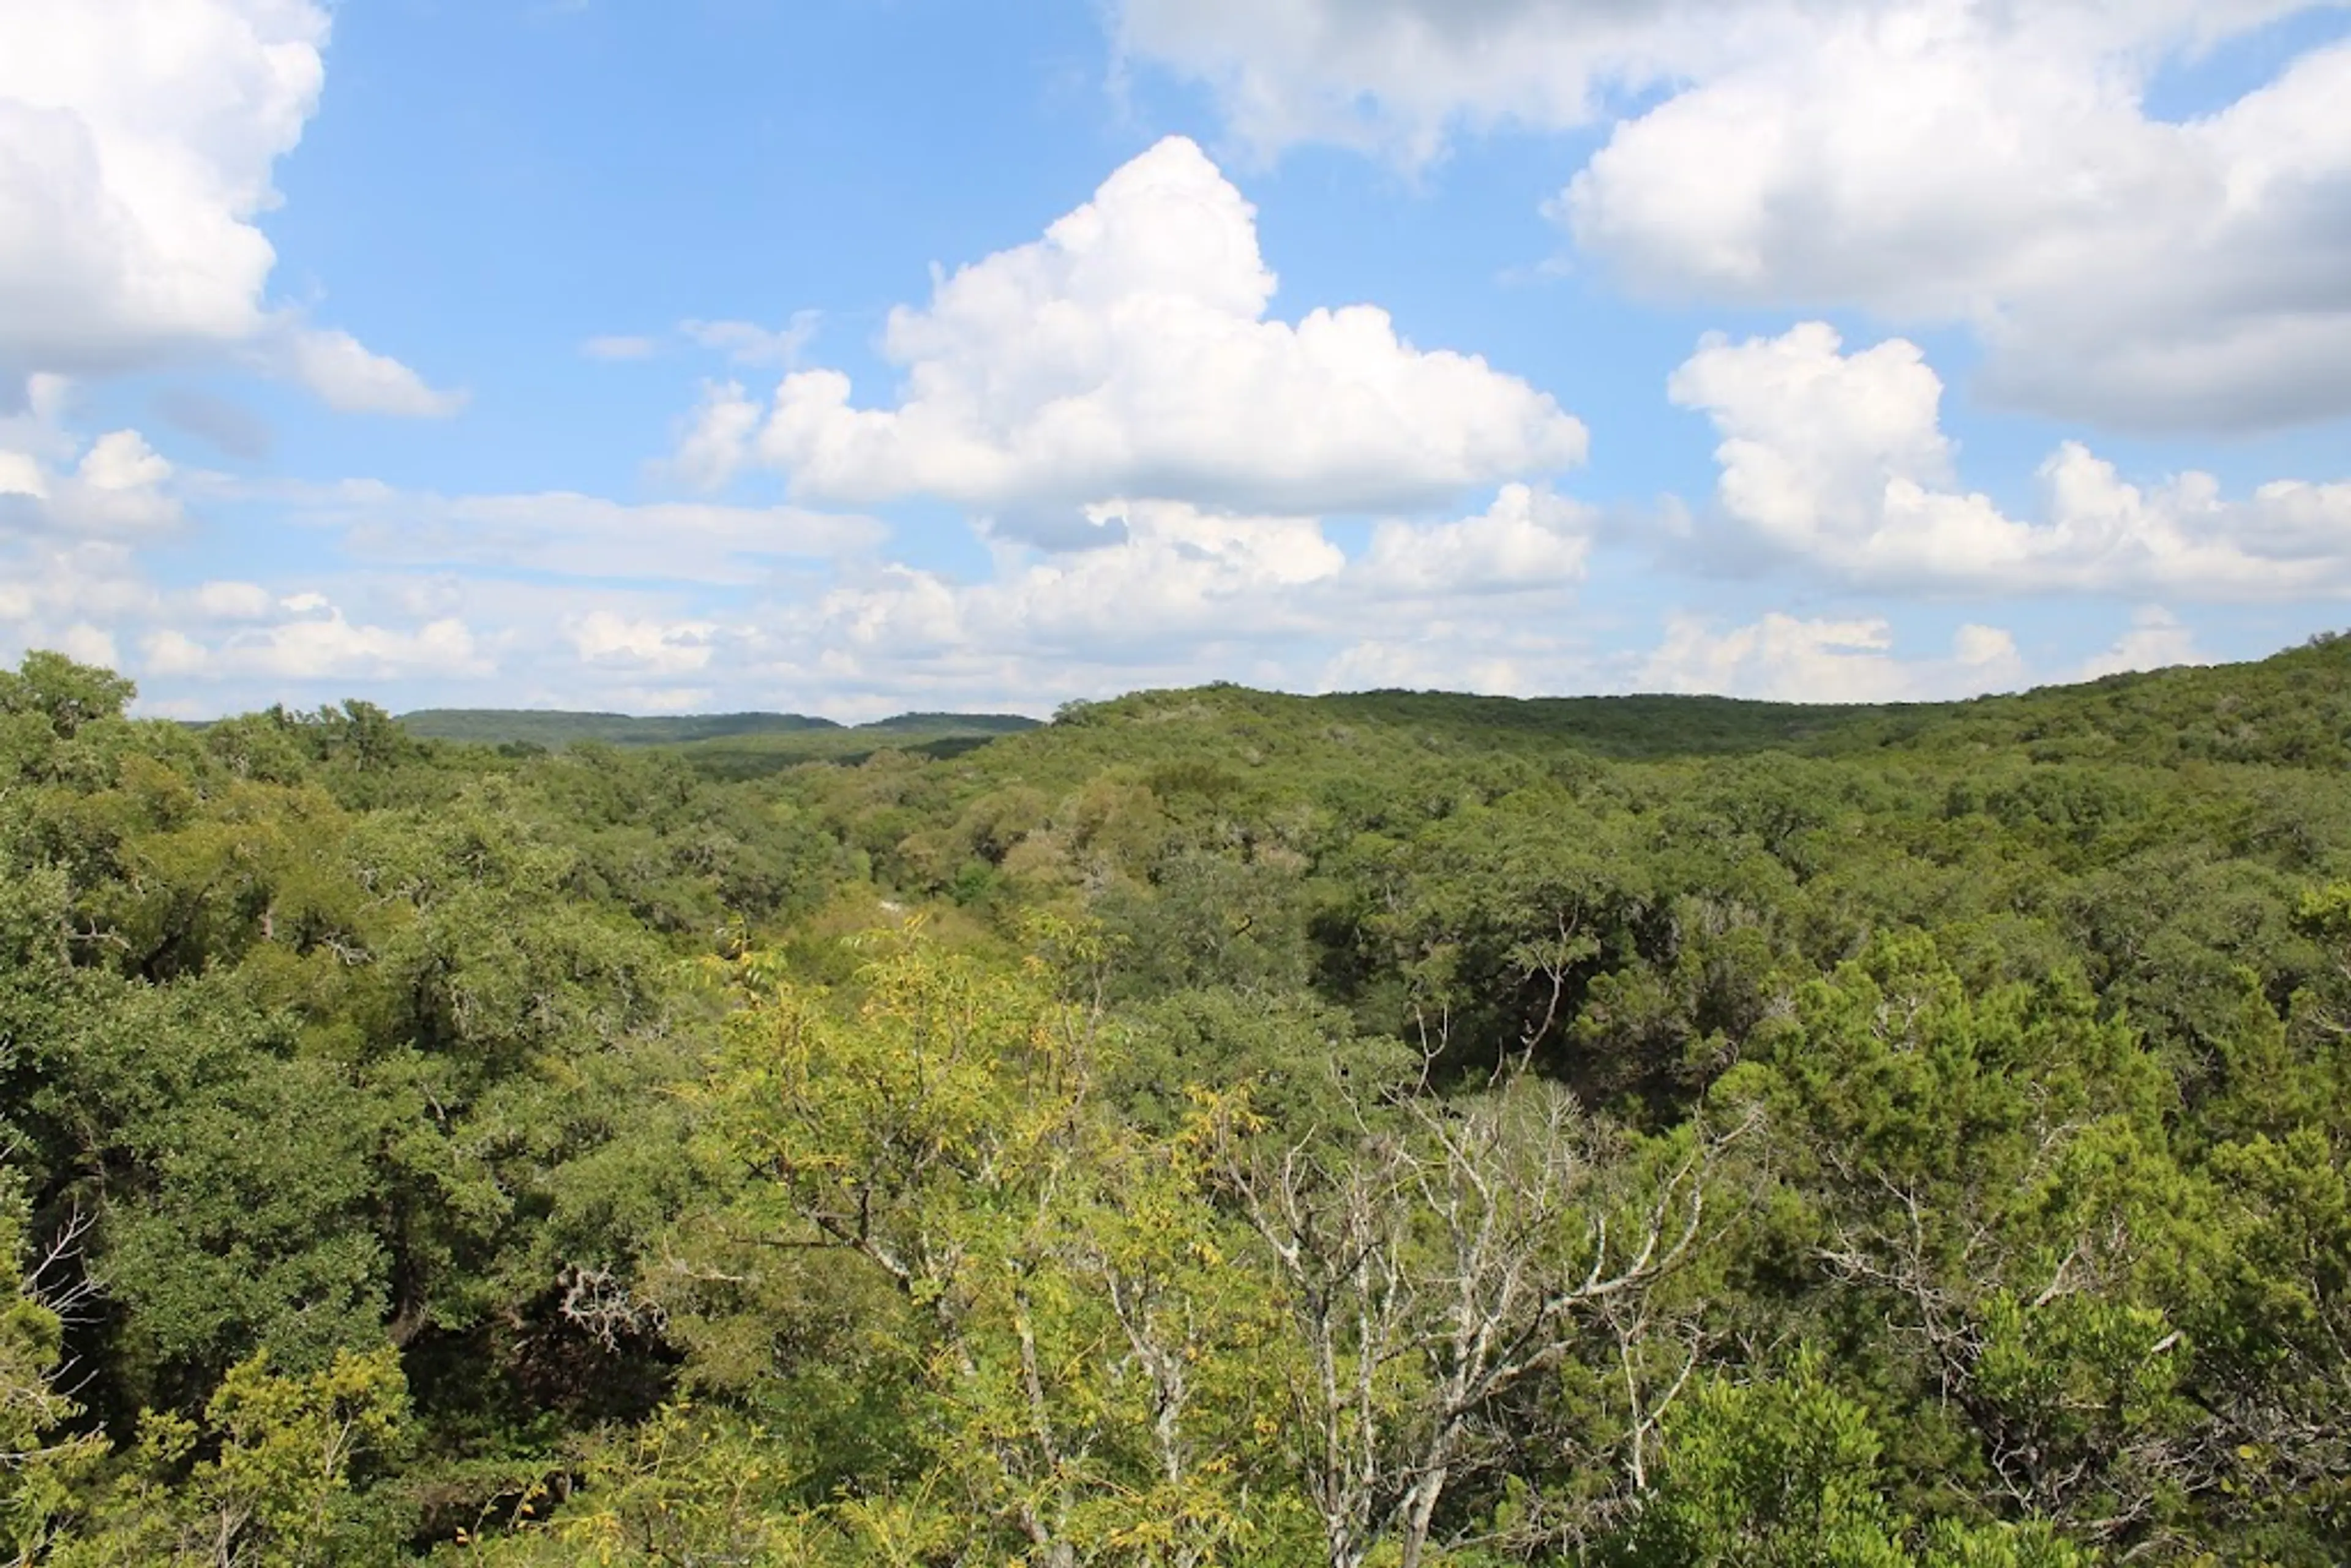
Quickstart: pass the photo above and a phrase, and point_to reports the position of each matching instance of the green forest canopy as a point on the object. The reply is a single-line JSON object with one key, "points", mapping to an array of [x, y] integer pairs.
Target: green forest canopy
{"points": [[1214, 1127]]}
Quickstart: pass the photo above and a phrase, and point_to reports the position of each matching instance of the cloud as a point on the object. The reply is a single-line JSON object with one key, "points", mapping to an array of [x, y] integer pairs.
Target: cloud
{"points": [[475, 588], [717, 437], [137, 139], [1400, 77], [1939, 167], [1127, 354], [2155, 641], [61, 593], [88, 644], [1183, 591], [116, 486], [1528, 539], [647, 646], [351, 378], [1455, 656], [491, 585], [227, 425], [314, 640], [563, 533], [1934, 162], [33, 435], [743, 342], [748, 343], [234, 601], [1785, 659], [1182, 575], [1839, 461], [1405, 76]]}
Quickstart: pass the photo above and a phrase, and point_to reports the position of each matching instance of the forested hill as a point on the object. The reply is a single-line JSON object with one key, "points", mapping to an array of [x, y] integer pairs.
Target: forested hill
{"points": [[2293, 708], [554, 728], [1213, 1127]]}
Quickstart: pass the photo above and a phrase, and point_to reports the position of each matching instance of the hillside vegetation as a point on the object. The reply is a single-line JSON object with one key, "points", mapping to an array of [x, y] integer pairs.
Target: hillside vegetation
{"points": [[1214, 1127], [554, 728], [720, 746]]}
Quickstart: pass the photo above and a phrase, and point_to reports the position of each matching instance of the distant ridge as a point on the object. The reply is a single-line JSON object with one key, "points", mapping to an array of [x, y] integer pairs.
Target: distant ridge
{"points": [[969, 723], [555, 728]]}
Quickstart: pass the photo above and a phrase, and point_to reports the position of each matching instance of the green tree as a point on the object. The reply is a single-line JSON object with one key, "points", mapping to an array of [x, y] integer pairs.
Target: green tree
{"points": [[286, 1484], [1789, 1473]]}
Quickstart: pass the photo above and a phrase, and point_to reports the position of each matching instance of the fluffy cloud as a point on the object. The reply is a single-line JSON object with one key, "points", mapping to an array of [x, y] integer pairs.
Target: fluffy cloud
{"points": [[1933, 160], [1528, 539], [351, 378], [1839, 460], [1399, 76], [1459, 656], [69, 594], [718, 436], [1402, 76], [2155, 641], [1180, 575], [51, 482], [137, 139], [1127, 354], [1180, 594], [1783, 658], [647, 646], [439, 588], [1786, 659], [312, 639], [1181, 591], [118, 487], [1936, 166]]}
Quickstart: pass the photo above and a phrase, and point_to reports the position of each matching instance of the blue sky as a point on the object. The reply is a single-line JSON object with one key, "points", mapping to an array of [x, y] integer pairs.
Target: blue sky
{"points": [[850, 356]]}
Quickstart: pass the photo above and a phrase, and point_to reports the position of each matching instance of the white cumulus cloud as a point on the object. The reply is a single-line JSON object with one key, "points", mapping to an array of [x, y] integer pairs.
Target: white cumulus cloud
{"points": [[56, 593], [351, 379], [2156, 640], [1400, 77], [137, 140], [648, 646], [1528, 539], [314, 640], [1128, 353], [1786, 659], [50, 484], [1839, 460], [1175, 592], [1969, 162], [1935, 165]]}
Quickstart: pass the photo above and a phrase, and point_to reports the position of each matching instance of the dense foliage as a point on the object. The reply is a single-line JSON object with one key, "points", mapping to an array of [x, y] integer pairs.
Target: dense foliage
{"points": [[725, 743], [1213, 1128]]}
